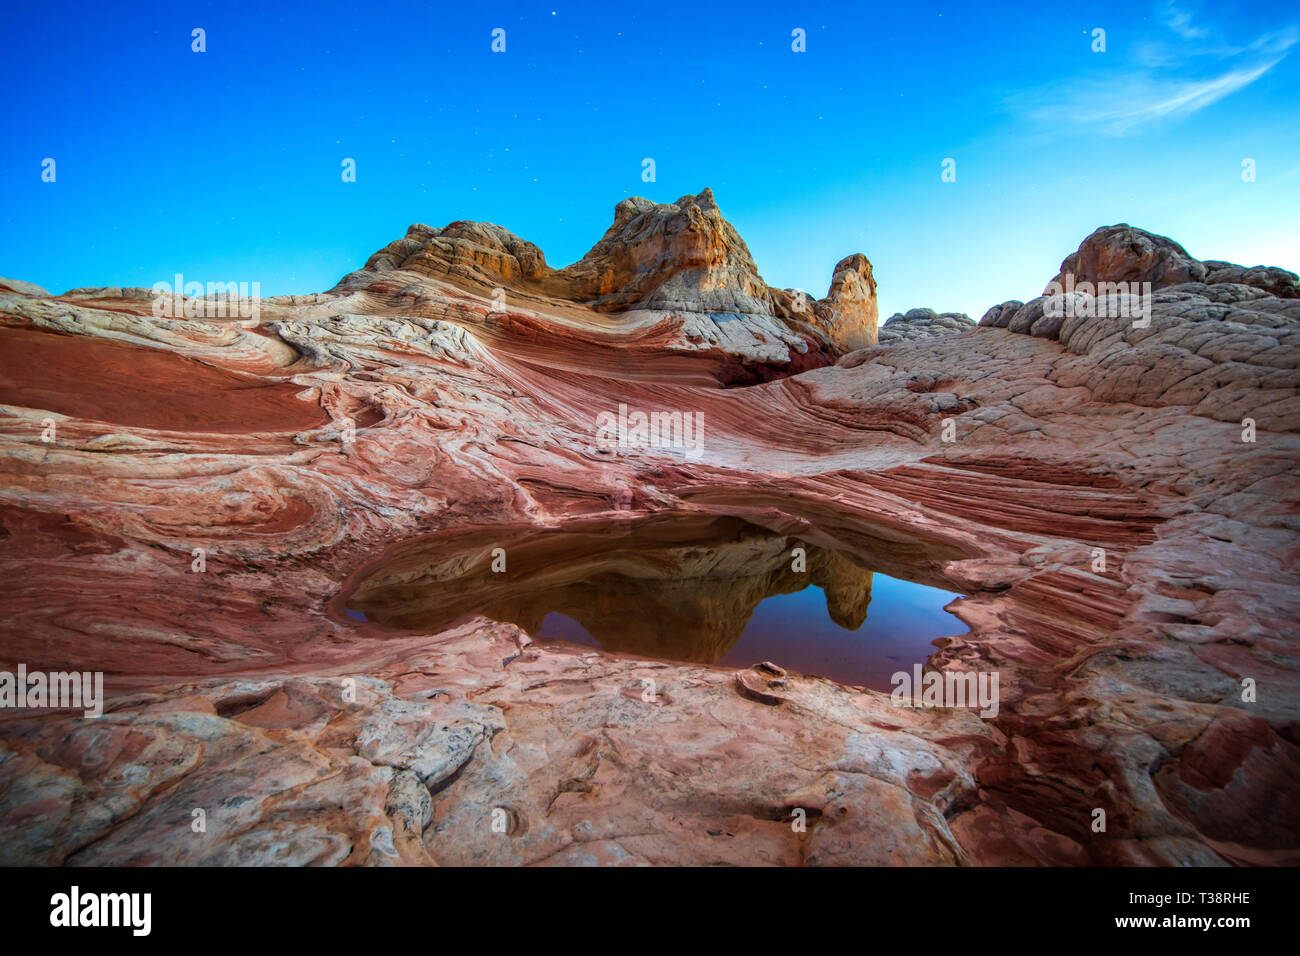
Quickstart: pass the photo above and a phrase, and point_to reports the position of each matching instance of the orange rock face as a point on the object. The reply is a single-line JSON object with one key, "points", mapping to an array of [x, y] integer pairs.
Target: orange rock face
{"points": [[665, 281], [849, 311], [196, 514]]}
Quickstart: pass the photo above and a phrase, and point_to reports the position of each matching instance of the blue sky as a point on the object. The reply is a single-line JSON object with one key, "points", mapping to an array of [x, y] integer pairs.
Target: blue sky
{"points": [[225, 165]]}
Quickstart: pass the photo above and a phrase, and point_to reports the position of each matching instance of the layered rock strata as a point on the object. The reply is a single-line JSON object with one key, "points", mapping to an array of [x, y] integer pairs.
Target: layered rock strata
{"points": [[1128, 563]]}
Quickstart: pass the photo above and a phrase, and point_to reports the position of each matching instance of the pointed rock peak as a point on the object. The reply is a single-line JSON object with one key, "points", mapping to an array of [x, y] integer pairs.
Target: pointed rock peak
{"points": [[704, 200], [635, 206], [670, 255]]}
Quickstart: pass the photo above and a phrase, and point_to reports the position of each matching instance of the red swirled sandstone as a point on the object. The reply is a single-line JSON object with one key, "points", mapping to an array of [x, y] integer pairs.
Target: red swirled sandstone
{"points": [[406, 403]]}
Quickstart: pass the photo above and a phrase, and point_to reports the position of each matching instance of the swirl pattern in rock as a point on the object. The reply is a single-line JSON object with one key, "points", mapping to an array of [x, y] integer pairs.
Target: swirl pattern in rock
{"points": [[1128, 563]]}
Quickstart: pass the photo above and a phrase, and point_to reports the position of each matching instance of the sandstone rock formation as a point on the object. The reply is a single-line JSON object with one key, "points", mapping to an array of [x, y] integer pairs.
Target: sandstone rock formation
{"points": [[196, 533], [922, 324], [665, 278], [1226, 345], [1122, 253], [848, 313]]}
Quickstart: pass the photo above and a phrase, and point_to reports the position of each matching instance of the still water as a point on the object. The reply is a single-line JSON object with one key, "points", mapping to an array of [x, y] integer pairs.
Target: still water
{"points": [[695, 588], [797, 632]]}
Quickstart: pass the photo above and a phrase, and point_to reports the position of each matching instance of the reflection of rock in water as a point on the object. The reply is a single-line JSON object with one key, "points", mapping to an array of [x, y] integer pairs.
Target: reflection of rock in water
{"points": [[681, 588], [690, 603]]}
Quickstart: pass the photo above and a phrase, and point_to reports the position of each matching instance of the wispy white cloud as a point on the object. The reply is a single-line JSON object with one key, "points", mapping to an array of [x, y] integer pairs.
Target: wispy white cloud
{"points": [[1173, 76], [1120, 106], [1180, 21], [1204, 44]]}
